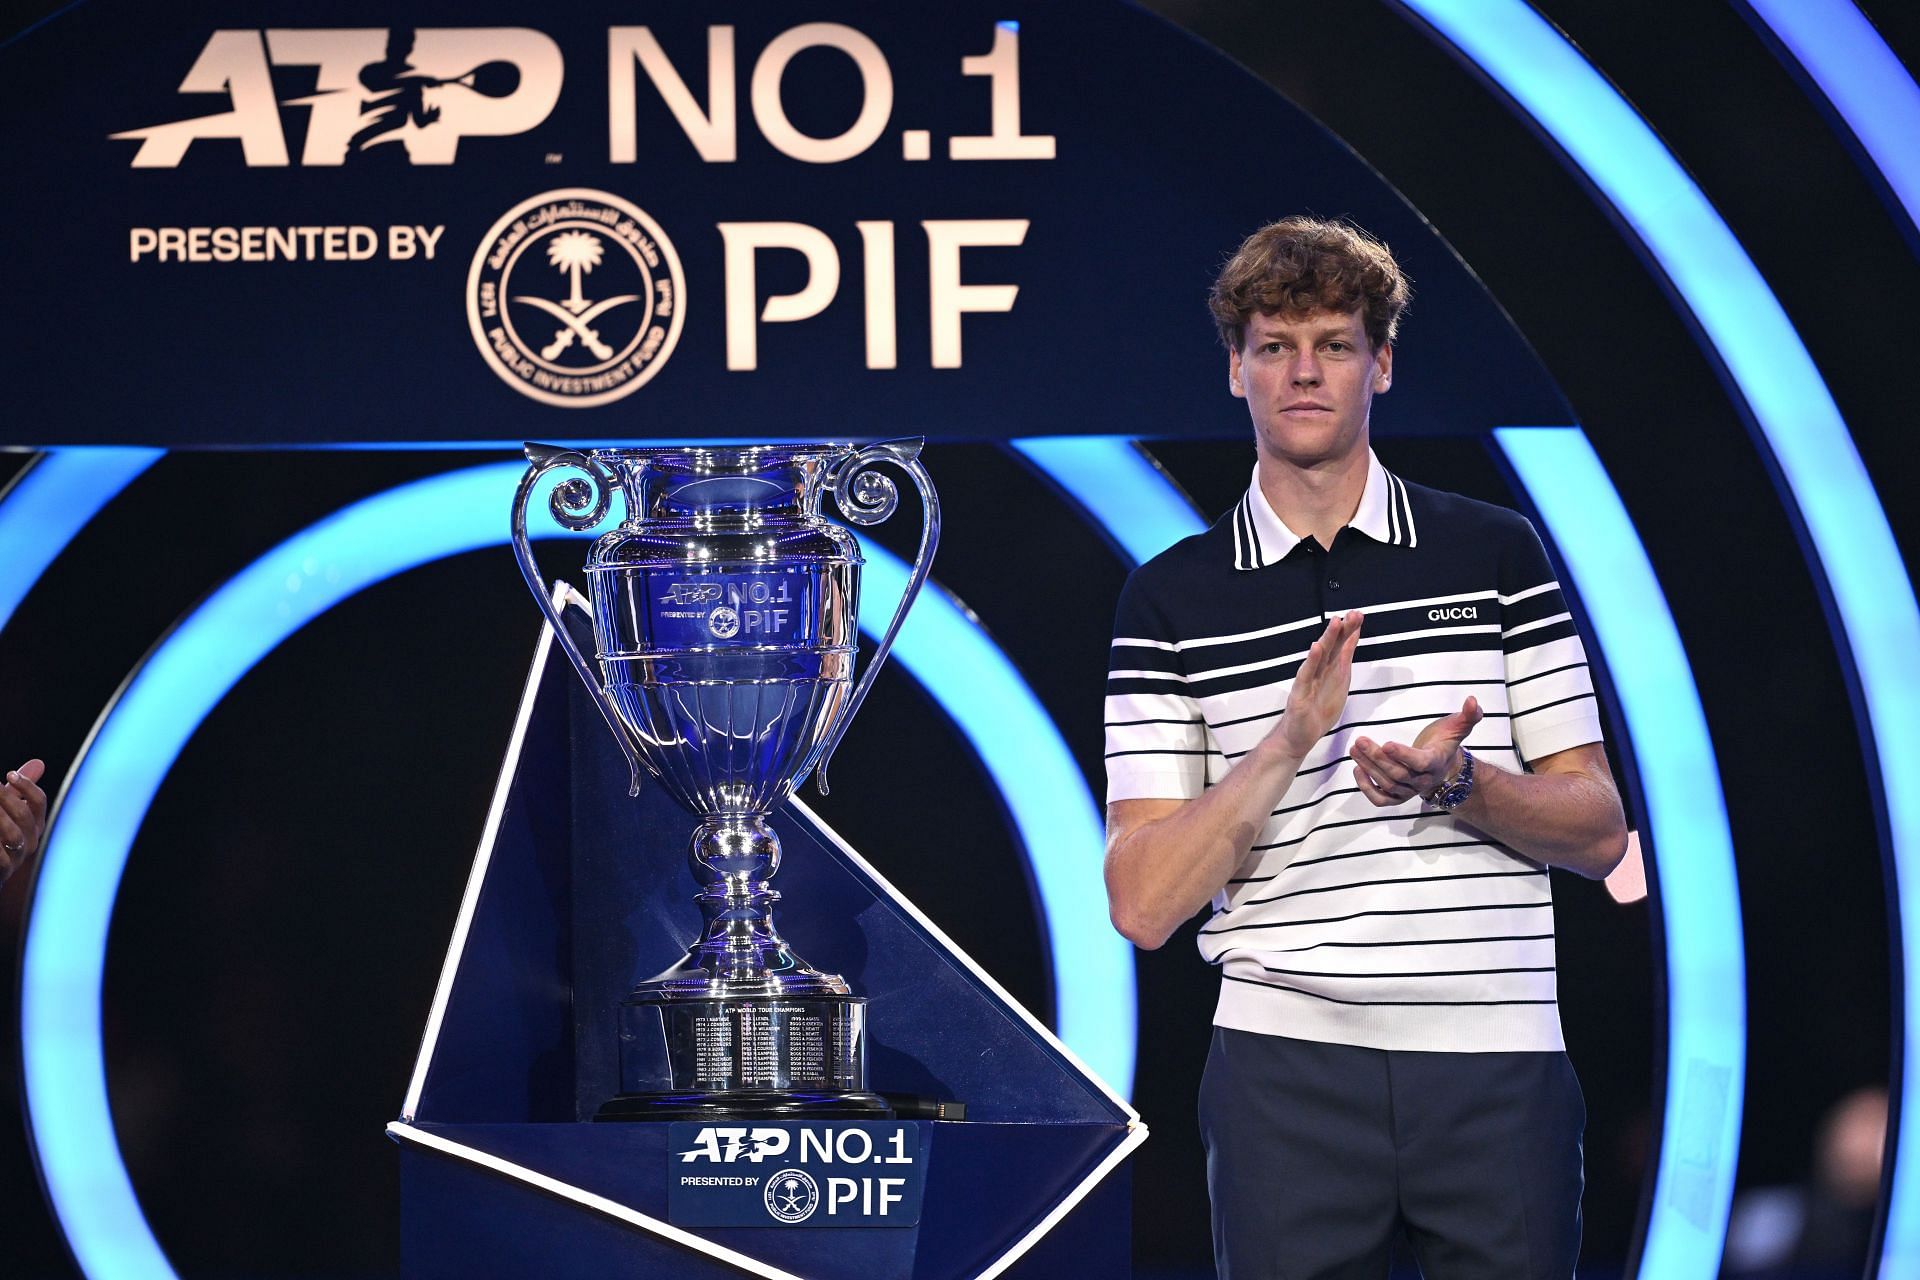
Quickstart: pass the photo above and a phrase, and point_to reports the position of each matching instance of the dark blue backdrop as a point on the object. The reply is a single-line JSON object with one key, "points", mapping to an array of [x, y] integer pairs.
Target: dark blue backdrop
{"points": [[128, 192]]}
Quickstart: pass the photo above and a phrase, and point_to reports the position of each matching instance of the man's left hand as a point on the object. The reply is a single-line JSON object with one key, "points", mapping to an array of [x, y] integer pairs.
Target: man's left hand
{"points": [[1393, 773]]}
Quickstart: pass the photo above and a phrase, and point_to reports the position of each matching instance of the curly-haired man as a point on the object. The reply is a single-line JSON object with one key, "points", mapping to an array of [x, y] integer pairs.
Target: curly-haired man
{"points": [[1355, 717]]}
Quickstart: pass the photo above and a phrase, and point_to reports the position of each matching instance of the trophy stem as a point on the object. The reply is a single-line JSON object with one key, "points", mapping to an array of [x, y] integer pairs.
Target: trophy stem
{"points": [[741, 1026], [740, 951], [734, 857]]}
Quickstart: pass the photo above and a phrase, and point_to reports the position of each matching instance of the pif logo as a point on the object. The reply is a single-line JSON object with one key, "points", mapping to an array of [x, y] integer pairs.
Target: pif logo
{"points": [[791, 1195], [575, 297]]}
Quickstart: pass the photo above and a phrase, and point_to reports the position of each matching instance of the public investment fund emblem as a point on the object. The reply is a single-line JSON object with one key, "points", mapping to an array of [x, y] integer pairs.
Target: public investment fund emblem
{"points": [[791, 1195], [575, 297]]}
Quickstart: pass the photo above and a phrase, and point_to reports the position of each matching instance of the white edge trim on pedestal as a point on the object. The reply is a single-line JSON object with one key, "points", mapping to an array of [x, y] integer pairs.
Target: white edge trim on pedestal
{"points": [[483, 858], [1136, 1134], [612, 1208]]}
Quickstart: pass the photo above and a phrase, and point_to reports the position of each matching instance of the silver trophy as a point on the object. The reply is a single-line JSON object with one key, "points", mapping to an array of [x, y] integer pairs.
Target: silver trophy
{"points": [[725, 614]]}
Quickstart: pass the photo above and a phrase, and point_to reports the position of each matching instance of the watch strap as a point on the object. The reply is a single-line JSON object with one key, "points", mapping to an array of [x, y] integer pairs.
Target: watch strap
{"points": [[1453, 793]]}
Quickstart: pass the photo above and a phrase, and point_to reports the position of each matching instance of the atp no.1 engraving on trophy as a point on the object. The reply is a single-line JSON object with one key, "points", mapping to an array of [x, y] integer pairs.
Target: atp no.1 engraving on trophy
{"points": [[725, 616]]}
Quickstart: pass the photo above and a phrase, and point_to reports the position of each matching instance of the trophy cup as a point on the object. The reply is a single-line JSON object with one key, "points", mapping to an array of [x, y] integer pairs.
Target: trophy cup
{"points": [[724, 612]]}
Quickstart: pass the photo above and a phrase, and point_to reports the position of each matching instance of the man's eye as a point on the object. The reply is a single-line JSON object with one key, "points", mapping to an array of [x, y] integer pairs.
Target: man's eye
{"points": [[1337, 346]]}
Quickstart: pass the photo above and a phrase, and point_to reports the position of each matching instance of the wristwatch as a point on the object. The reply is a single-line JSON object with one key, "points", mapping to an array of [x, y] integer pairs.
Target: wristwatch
{"points": [[1453, 793]]}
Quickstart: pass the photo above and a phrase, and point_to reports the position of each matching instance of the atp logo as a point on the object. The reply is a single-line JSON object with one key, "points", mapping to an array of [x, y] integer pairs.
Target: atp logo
{"points": [[724, 1144], [575, 297], [423, 89]]}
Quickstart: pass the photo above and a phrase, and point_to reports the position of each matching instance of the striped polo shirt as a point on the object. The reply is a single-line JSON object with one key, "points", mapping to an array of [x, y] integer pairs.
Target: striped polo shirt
{"points": [[1392, 928]]}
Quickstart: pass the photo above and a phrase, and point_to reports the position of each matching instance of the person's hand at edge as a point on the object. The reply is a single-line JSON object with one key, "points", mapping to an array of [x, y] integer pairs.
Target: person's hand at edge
{"points": [[23, 816]]}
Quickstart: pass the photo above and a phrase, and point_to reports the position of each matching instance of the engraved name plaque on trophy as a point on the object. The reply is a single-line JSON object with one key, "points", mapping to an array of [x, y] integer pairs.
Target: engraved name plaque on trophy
{"points": [[725, 614]]}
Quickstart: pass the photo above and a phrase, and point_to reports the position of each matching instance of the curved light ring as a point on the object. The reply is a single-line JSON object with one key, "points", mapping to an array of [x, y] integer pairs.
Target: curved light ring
{"points": [[1133, 501], [163, 704], [1693, 845], [1854, 548], [1863, 79], [51, 501]]}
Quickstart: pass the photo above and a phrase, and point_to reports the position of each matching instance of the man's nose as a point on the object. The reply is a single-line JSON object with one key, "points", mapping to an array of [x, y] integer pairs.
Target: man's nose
{"points": [[1306, 370]]}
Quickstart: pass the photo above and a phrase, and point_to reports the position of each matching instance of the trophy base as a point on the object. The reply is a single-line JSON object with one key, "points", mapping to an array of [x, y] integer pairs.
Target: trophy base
{"points": [[745, 1104], [749, 1055]]}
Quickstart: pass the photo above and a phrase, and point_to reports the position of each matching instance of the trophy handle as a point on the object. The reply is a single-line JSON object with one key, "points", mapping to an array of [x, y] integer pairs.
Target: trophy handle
{"points": [[576, 504], [866, 496]]}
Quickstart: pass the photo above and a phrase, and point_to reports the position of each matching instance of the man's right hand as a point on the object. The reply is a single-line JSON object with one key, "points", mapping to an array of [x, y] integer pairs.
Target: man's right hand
{"points": [[1320, 687]]}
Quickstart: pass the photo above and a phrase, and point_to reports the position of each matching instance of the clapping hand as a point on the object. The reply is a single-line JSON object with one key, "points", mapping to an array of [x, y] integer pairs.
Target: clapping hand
{"points": [[1320, 686], [1394, 773], [23, 815]]}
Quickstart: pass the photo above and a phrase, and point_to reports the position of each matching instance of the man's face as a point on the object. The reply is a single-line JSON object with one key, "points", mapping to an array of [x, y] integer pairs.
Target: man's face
{"points": [[1309, 383]]}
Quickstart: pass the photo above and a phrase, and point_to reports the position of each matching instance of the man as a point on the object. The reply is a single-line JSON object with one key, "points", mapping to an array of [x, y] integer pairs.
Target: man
{"points": [[23, 816], [1355, 717]]}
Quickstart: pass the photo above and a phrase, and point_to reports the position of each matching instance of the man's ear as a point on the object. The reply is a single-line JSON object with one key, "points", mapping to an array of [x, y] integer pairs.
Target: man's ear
{"points": [[1383, 367], [1234, 383]]}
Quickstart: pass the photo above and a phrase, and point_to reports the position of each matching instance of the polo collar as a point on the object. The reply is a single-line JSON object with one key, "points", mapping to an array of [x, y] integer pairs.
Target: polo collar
{"points": [[1260, 538]]}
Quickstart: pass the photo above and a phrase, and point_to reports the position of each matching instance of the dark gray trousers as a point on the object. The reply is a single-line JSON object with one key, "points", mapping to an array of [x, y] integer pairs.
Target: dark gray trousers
{"points": [[1318, 1153]]}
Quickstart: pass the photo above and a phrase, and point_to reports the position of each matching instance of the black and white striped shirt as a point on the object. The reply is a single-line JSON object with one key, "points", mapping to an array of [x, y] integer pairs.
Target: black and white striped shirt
{"points": [[1393, 928]]}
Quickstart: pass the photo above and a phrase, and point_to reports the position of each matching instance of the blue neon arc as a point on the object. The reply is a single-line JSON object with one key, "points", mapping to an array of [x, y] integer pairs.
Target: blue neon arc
{"points": [[1863, 79], [50, 502], [1126, 494], [111, 789], [1801, 425], [1686, 811]]}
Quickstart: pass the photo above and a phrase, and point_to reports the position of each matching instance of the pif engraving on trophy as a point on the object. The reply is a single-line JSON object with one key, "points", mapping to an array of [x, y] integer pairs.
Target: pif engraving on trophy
{"points": [[729, 605]]}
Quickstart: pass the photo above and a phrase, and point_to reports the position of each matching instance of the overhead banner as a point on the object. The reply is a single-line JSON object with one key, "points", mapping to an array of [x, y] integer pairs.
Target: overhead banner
{"points": [[276, 224]]}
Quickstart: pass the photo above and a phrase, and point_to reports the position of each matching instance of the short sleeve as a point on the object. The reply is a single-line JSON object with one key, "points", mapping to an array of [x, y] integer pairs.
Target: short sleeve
{"points": [[1156, 737], [1549, 684]]}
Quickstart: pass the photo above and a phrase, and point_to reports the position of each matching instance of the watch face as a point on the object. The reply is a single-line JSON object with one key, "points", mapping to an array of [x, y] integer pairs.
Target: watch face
{"points": [[1455, 796]]}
